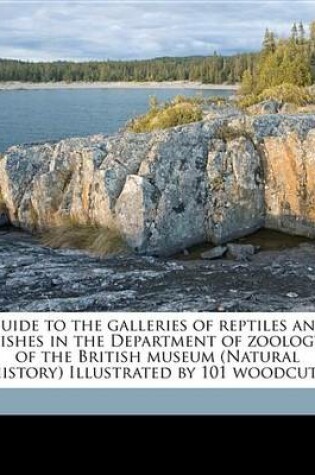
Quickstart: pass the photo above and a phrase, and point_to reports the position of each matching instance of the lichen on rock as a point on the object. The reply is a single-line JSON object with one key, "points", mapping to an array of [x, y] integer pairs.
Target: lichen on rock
{"points": [[170, 189]]}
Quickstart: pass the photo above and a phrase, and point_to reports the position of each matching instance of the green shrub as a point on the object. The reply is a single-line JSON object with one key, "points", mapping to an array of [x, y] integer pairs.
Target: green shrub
{"points": [[289, 93], [248, 101], [181, 110], [180, 99], [299, 96], [218, 100]]}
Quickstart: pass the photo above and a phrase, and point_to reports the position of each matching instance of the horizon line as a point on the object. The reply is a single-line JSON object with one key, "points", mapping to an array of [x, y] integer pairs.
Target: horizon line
{"points": [[153, 58]]}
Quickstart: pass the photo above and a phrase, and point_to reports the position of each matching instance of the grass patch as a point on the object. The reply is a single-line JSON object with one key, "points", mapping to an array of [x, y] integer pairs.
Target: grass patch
{"points": [[227, 133], [248, 101], [180, 111], [286, 93], [309, 109], [3, 207], [90, 237], [217, 100]]}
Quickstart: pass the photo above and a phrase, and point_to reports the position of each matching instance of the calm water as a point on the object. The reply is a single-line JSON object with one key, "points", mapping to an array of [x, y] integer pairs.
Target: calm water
{"points": [[43, 115]]}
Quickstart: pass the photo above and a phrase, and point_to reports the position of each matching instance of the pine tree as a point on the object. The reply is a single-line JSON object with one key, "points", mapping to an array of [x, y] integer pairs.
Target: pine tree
{"points": [[247, 86], [301, 34], [283, 62], [312, 35], [312, 49], [266, 40], [273, 44], [269, 43], [294, 33]]}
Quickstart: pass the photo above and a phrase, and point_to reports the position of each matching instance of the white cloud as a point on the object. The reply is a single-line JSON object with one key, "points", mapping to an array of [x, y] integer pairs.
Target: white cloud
{"points": [[121, 30]]}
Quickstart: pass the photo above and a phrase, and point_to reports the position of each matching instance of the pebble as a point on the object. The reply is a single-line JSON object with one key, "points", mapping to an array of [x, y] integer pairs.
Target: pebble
{"points": [[214, 253], [220, 308], [240, 252], [292, 295]]}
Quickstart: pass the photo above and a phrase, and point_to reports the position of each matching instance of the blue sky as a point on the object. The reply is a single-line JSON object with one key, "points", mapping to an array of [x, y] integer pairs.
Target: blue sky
{"points": [[123, 29]]}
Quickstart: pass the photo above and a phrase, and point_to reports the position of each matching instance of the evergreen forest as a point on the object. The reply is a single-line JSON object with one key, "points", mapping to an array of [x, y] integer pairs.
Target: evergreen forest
{"points": [[280, 60]]}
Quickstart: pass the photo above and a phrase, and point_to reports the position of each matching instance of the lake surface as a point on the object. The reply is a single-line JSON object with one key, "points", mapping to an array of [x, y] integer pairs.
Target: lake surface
{"points": [[31, 116]]}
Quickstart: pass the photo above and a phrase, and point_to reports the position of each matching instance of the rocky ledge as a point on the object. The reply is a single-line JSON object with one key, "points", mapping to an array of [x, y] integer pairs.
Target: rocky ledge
{"points": [[34, 278], [211, 181]]}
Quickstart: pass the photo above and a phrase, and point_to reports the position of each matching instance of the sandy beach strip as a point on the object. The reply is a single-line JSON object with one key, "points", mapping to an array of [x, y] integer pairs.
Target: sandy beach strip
{"points": [[14, 86]]}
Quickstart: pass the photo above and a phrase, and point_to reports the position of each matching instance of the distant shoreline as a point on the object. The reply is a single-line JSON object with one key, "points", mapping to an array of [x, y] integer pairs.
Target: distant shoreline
{"points": [[14, 86]]}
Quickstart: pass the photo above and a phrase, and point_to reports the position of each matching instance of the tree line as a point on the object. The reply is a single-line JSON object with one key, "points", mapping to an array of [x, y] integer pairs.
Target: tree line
{"points": [[214, 69], [282, 61], [290, 60]]}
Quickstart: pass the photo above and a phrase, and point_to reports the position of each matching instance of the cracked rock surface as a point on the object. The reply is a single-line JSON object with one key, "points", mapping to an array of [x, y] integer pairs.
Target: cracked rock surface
{"points": [[170, 189], [34, 278]]}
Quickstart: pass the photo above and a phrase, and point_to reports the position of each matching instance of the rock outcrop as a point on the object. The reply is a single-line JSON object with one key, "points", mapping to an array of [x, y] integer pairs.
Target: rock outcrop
{"points": [[266, 107], [211, 181], [34, 278], [290, 183]]}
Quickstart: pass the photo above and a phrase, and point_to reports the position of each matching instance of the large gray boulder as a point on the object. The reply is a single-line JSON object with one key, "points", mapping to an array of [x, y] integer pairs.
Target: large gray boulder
{"points": [[265, 107], [211, 181]]}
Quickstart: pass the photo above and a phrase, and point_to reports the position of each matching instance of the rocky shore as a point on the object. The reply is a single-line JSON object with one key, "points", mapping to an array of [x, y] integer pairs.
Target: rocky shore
{"points": [[212, 181], [35, 278], [209, 182], [14, 86]]}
